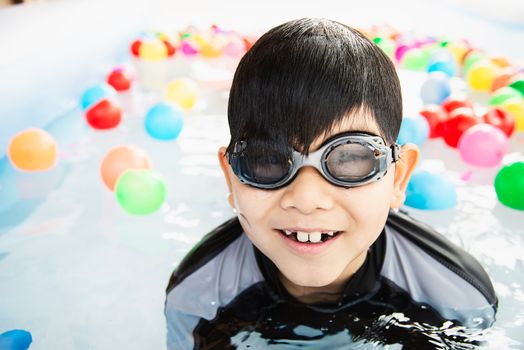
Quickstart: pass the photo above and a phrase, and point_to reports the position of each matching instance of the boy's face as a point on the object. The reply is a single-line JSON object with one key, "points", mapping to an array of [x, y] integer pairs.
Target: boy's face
{"points": [[311, 203]]}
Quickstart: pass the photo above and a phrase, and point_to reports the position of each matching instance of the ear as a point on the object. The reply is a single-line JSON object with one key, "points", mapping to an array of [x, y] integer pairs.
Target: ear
{"points": [[409, 155], [226, 169]]}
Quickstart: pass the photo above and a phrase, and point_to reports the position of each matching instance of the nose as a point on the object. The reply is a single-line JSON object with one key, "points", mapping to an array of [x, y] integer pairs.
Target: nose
{"points": [[308, 192]]}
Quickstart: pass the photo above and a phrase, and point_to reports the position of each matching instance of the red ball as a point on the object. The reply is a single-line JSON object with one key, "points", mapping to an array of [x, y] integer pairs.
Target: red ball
{"points": [[501, 119], [170, 48], [119, 79], [454, 102], [104, 115], [460, 120], [436, 116], [135, 46]]}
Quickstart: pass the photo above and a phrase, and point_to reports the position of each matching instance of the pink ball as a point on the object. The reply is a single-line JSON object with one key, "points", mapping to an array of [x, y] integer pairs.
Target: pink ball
{"points": [[483, 145]]}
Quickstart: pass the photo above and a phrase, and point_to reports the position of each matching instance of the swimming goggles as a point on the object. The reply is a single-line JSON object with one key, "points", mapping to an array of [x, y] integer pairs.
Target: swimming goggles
{"points": [[347, 160]]}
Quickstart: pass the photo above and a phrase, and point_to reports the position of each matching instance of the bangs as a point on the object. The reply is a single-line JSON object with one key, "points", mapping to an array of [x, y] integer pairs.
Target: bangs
{"points": [[302, 78]]}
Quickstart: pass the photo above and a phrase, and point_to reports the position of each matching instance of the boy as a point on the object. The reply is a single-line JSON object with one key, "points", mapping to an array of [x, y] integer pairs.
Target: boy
{"points": [[318, 256]]}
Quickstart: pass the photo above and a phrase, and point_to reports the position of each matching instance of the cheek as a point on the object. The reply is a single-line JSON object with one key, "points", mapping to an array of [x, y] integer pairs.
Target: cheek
{"points": [[253, 205], [369, 205]]}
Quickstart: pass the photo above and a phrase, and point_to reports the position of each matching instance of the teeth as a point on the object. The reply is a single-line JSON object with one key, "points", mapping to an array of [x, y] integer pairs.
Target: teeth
{"points": [[329, 233], [302, 236], [315, 237], [287, 232]]}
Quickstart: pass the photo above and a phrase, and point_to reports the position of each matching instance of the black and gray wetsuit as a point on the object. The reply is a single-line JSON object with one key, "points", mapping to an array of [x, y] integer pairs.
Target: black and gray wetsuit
{"points": [[413, 289]]}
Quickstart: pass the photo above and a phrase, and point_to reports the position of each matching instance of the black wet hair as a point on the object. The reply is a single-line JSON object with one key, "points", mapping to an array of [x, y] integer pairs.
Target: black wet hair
{"points": [[303, 77]]}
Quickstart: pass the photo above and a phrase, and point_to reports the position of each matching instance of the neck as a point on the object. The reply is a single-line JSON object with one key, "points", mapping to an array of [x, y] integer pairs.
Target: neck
{"points": [[328, 293]]}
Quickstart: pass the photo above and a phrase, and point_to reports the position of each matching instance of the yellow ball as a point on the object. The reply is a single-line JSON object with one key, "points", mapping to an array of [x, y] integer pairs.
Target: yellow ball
{"points": [[481, 75], [153, 50], [183, 91], [458, 49], [515, 106]]}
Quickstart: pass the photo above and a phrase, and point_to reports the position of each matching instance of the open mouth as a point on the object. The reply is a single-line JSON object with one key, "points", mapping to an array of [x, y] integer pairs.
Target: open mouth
{"points": [[309, 237]]}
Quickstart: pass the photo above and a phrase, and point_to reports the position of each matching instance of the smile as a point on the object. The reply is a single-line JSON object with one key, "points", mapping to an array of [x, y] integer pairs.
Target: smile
{"points": [[309, 237]]}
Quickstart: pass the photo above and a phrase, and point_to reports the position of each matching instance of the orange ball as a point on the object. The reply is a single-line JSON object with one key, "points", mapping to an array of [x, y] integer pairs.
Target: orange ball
{"points": [[32, 150], [119, 159]]}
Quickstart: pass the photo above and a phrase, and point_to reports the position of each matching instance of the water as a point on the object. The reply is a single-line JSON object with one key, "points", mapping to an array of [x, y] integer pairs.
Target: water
{"points": [[79, 273]]}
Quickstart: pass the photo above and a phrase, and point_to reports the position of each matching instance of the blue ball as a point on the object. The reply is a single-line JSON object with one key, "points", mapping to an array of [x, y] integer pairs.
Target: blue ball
{"points": [[430, 191], [442, 61], [95, 94], [17, 339], [448, 67], [413, 129], [436, 88], [164, 121]]}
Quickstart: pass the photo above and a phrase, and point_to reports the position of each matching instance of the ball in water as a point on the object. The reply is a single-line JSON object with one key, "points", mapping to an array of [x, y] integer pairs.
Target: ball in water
{"points": [[32, 150], [120, 159], [183, 91], [509, 185], [140, 191]]}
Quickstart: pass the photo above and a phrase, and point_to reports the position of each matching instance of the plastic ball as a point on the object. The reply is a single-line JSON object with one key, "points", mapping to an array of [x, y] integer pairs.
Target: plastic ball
{"points": [[152, 50], [235, 47], [119, 79], [164, 121], [481, 75], [183, 91], [16, 339], [517, 83], [442, 61], [189, 49], [509, 185], [453, 102], [435, 116], [430, 191], [32, 150], [458, 49], [413, 129], [460, 120], [503, 78], [387, 45], [470, 59], [135, 48], [97, 93], [104, 115], [414, 59], [516, 108], [501, 119], [120, 159], [483, 145], [401, 50], [436, 88], [169, 48], [503, 94], [140, 191]]}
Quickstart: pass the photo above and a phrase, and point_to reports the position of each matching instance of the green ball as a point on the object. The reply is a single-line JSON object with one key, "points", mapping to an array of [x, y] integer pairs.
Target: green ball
{"points": [[518, 85], [502, 95], [509, 185], [415, 59], [387, 45], [470, 59], [140, 191]]}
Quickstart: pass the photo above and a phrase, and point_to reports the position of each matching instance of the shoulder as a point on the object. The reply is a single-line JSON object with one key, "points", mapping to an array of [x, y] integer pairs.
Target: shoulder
{"points": [[220, 267], [435, 271]]}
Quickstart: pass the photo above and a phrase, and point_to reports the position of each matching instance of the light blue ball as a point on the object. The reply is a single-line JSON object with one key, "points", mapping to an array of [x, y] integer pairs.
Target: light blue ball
{"points": [[442, 61], [436, 88], [448, 67], [164, 121], [95, 94], [16, 339], [413, 129], [430, 191]]}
